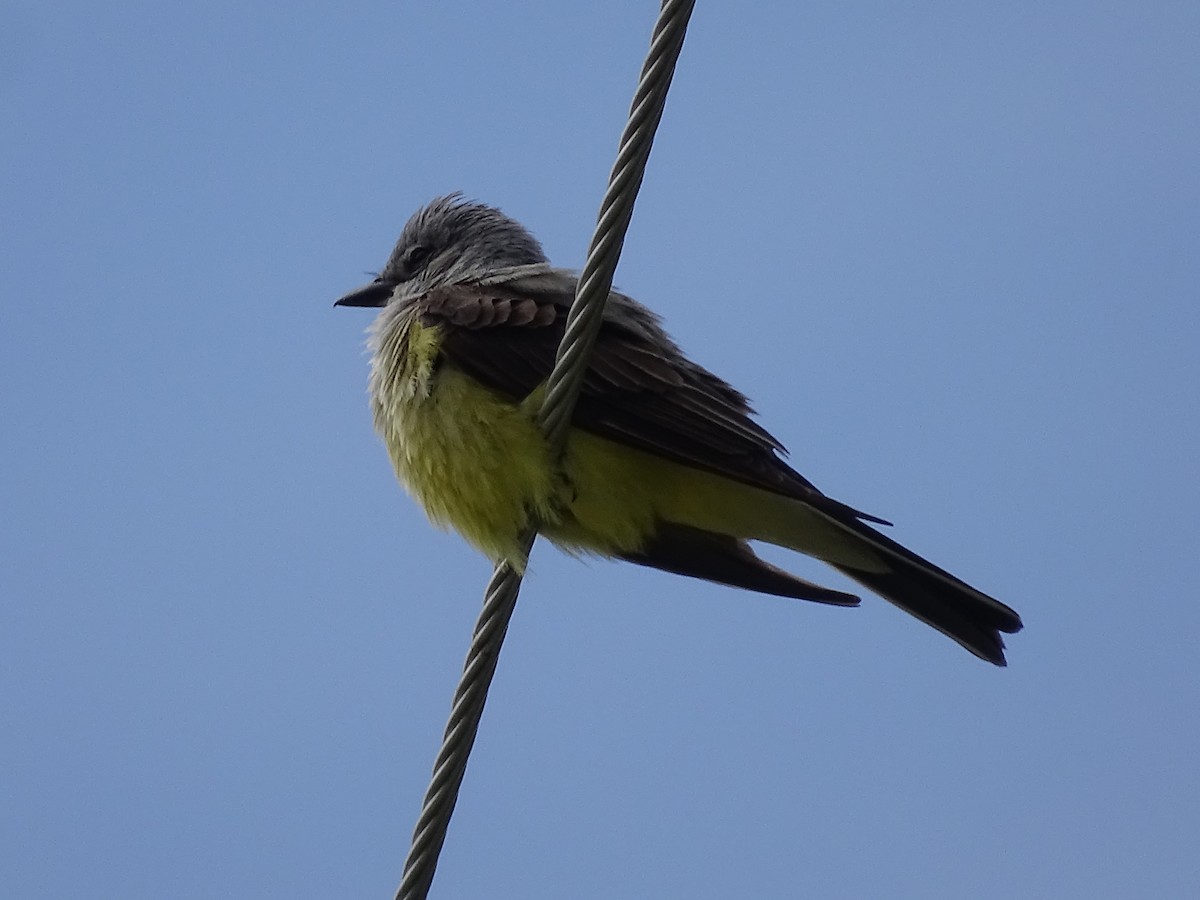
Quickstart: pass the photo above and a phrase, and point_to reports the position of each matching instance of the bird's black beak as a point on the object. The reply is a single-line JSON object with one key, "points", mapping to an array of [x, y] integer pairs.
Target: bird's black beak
{"points": [[377, 293]]}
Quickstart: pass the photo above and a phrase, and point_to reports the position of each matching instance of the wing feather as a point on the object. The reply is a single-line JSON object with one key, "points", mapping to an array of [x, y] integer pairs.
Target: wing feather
{"points": [[639, 389]]}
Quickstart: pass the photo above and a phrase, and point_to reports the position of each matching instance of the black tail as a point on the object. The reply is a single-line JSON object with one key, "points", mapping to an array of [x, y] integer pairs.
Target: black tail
{"points": [[914, 584], [937, 598]]}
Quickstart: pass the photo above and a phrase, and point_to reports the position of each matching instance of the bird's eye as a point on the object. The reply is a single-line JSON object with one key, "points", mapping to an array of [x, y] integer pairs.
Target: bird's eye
{"points": [[415, 258]]}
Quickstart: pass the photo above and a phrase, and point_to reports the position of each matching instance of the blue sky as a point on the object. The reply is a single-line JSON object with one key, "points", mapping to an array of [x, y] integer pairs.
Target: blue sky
{"points": [[952, 253]]}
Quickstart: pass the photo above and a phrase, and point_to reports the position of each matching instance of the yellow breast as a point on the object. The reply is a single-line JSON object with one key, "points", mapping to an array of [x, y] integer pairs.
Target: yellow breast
{"points": [[472, 458]]}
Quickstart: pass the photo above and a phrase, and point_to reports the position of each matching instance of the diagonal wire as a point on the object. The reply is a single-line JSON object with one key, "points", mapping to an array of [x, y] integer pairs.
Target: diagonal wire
{"points": [[583, 324]]}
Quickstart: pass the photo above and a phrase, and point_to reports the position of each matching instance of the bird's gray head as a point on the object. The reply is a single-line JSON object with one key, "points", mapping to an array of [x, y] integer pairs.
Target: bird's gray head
{"points": [[450, 240]]}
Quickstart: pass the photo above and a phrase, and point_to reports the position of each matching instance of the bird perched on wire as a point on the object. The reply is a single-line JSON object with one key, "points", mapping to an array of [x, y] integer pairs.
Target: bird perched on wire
{"points": [[663, 465]]}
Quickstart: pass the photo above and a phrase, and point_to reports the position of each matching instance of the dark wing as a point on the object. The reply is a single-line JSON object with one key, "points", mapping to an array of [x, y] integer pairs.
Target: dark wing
{"points": [[635, 392]]}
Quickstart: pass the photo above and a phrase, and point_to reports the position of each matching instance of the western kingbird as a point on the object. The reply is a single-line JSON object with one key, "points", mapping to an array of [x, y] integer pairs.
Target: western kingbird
{"points": [[663, 466]]}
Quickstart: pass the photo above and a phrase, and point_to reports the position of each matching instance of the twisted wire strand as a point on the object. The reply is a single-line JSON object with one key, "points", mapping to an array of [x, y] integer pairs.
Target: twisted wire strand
{"points": [[595, 281], [563, 386]]}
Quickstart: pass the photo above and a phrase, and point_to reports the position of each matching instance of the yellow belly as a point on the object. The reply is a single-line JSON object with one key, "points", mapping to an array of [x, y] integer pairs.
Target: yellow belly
{"points": [[477, 462], [473, 460]]}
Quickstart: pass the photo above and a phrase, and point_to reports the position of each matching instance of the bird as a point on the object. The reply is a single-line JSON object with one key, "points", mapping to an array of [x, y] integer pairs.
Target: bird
{"points": [[664, 466]]}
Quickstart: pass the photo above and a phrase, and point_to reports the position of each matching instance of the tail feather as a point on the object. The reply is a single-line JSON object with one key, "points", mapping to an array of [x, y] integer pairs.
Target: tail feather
{"points": [[956, 612], [936, 597], [835, 535]]}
